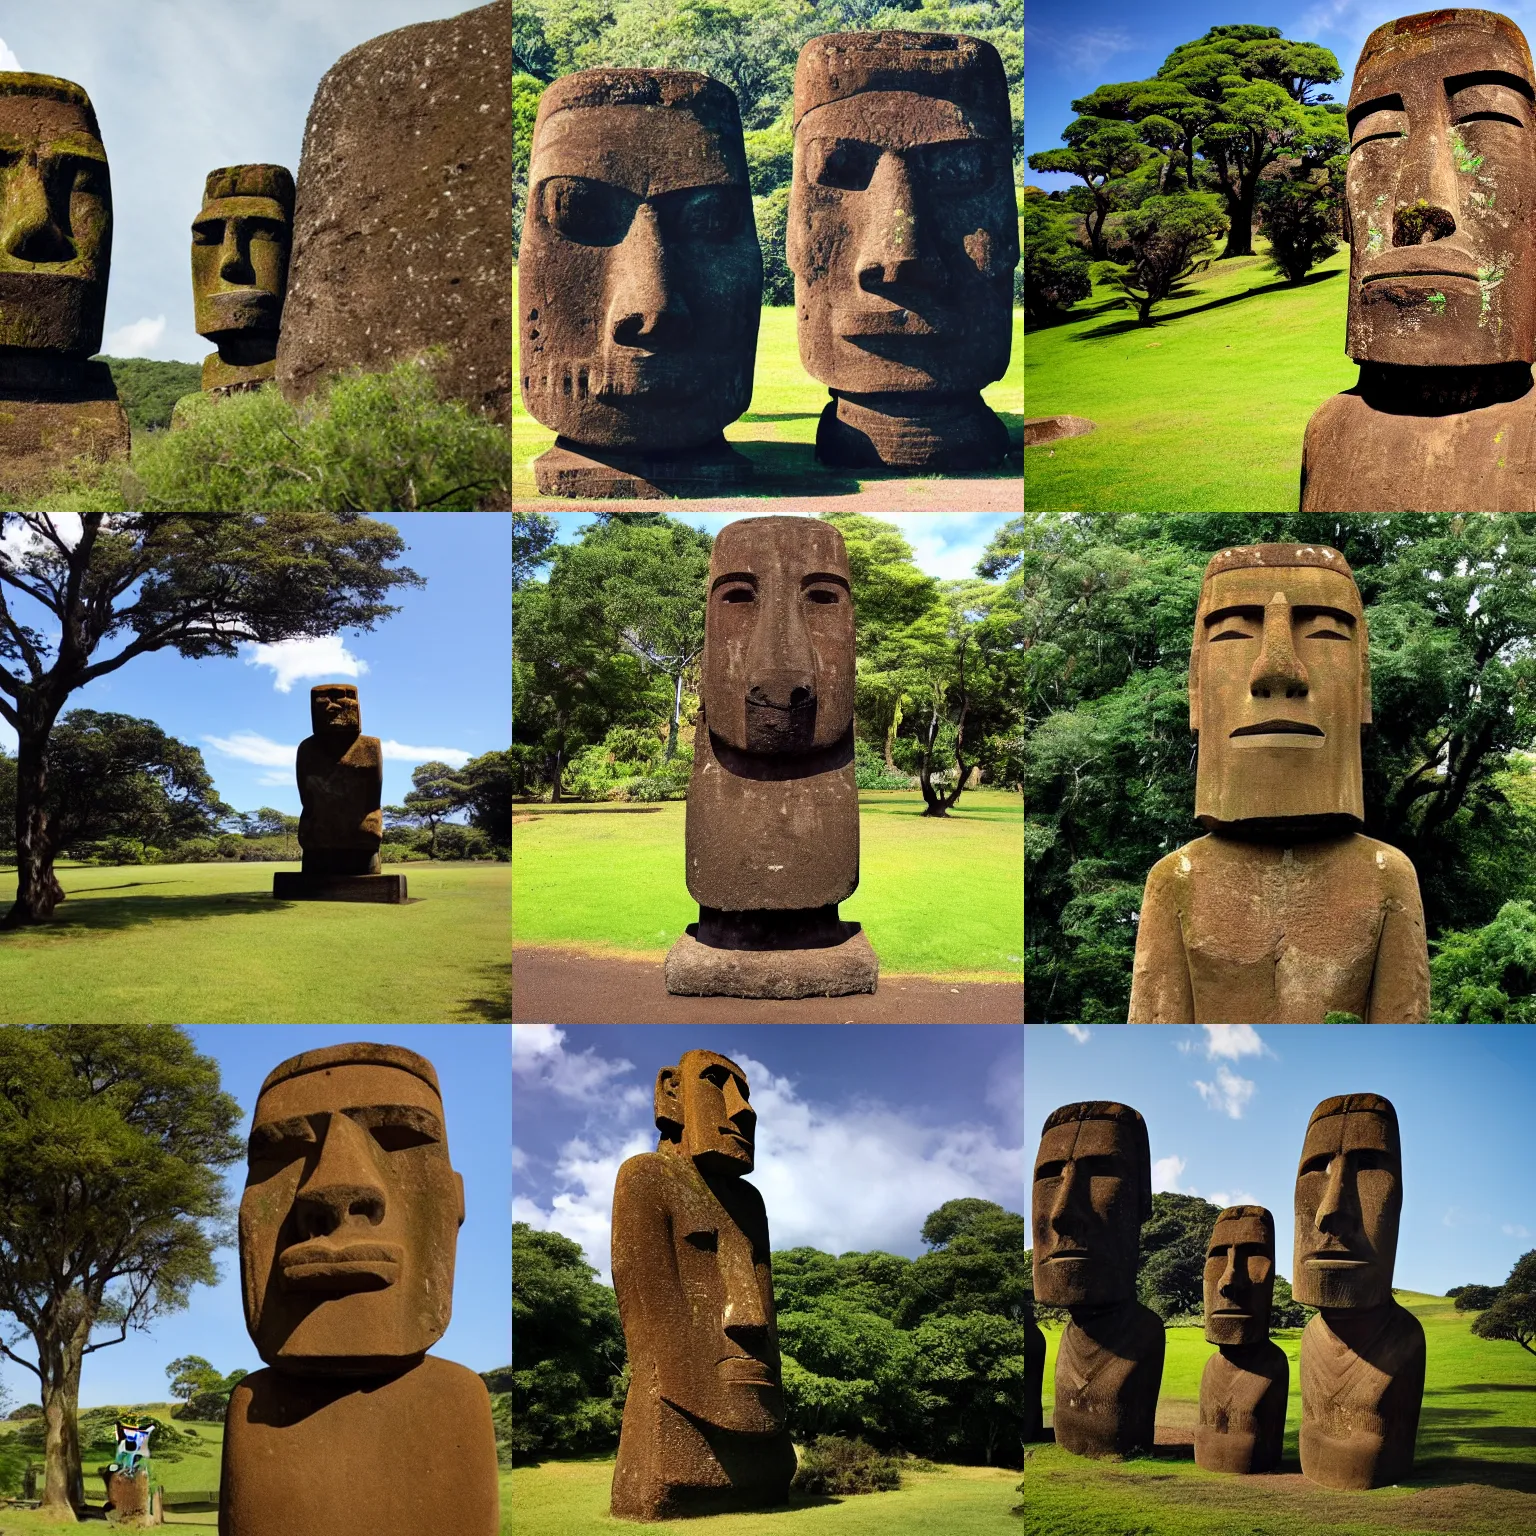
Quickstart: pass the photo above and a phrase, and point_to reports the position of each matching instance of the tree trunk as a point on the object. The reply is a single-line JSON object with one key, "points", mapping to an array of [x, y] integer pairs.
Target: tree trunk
{"points": [[677, 715], [64, 1483], [1239, 226], [934, 804], [890, 737], [554, 789], [37, 891]]}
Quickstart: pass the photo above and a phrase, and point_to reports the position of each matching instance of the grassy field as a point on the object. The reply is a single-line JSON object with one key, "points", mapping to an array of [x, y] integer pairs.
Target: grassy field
{"points": [[1474, 1470], [570, 1498], [207, 944], [1202, 411], [779, 428], [937, 897]]}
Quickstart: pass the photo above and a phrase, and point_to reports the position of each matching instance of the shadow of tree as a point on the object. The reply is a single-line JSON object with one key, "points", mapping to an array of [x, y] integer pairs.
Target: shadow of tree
{"points": [[1120, 327], [129, 911], [496, 1007]]}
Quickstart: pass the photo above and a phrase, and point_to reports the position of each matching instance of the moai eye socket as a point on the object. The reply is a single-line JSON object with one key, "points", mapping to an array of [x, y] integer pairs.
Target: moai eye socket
{"points": [[846, 164], [586, 211]]}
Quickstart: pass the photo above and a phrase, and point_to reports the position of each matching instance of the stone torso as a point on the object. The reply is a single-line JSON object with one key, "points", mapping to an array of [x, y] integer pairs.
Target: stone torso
{"points": [[415, 1456], [341, 794], [1108, 1371], [1242, 1409]]}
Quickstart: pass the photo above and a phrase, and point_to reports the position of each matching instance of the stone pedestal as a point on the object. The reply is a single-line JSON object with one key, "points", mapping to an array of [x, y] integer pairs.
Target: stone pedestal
{"points": [[224, 378], [910, 431], [291, 885], [131, 1504], [574, 469], [701, 970]]}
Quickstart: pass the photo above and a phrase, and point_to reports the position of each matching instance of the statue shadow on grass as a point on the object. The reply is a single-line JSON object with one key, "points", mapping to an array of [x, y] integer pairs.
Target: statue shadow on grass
{"points": [[1121, 327], [1450, 1438]]}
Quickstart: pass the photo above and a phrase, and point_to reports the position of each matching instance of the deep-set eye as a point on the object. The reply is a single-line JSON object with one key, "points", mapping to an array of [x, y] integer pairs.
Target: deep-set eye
{"points": [[847, 164], [397, 1138], [822, 595], [738, 595], [955, 166], [1326, 633], [705, 1242], [1049, 1171], [1487, 101], [1229, 634], [587, 211], [210, 232], [1384, 124], [703, 213]]}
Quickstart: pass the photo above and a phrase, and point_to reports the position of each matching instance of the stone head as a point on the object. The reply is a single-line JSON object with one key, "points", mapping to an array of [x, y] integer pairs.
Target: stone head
{"points": [[351, 1212], [703, 1114], [903, 231], [1092, 1192], [55, 217], [778, 637], [1279, 687], [1349, 1196], [1442, 178], [1240, 1276], [334, 711], [640, 275], [241, 241]]}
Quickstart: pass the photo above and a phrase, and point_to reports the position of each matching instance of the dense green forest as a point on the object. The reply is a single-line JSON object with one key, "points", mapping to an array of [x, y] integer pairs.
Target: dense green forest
{"points": [[925, 1355], [149, 390], [1109, 763], [606, 651]]}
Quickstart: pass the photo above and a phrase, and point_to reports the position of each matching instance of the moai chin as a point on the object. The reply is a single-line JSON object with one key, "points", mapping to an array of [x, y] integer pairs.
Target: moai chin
{"points": [[1442, 277], [640, 283], [1244, 1386], [1284, 912], [704, 1428], [903, 237], [55, 255], [341, 826], [1362, 1356], [1092, 1192], [773, 809], [348, 1226], [241, 241]]}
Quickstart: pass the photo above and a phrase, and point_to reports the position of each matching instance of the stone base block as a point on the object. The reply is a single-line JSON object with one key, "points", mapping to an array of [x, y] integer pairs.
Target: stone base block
{"points": [[697, 970], [289, 885], [579, 470], [939, 432], [44, 432]]}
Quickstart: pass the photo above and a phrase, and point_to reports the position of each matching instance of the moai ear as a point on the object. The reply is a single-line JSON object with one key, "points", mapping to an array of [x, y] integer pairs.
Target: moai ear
{"points": [[669, 1104]]}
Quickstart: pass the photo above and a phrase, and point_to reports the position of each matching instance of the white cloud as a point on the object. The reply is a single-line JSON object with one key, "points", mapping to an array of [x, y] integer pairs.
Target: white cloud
{"points": [[136, 339], [540, 1060], [1166, 1173], [291, 660], [252, 748], [1511, 1229], [520, 1160], [398, 752], [1085, 51], [1229, 1093], [1225, 1198], [1079, 1032], [1460, 1216], [1233, 1041], [8, 60]]}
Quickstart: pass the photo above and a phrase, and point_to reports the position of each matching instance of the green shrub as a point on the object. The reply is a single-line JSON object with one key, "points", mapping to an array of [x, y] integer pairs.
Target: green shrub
{"points": [[771, 154], [1056, 268], [1476, 1298], [772, 216], [869, 769], [831, 1464], [26, 1411], [400, 853], [501, 1421], [1301, 219]]}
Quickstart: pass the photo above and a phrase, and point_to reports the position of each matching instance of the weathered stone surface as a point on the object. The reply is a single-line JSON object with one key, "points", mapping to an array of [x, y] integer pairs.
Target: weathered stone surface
{"points": [[903, 237], [1285, 912], [290, 886], [128, 1499], [1092, 1192], [1362, 1356], [703, 970], [704, 1424], [341, 780], [348, 1226], [1442, 277], [640, 281], [1244, 1386], [403, 225]]}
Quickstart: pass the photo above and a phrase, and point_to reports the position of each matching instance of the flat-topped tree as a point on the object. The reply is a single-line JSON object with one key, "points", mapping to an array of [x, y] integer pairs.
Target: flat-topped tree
{"points": [[199, 584]]}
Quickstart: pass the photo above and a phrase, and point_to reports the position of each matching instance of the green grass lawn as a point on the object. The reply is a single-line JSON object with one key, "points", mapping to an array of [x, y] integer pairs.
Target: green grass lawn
{"points": [[1201, 411], [779, 428], [937, 897], [570, 1498], [207, 944], [1474, 1469]]}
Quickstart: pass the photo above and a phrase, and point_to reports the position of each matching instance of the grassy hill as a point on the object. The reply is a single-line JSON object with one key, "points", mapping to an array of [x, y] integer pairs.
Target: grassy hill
{"points": [[1474, 1469], [1201, 411], [149, 390]]}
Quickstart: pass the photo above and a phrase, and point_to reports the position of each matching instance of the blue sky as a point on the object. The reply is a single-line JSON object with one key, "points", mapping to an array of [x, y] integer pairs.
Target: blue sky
{"points": [[434, 679], [1068, 51], [1227, 1106], [472, 1063], [944, 544], [862, 1130], [182, 87]]}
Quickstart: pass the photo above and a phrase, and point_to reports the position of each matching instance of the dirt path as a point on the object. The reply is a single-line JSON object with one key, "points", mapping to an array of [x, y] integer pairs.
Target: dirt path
{"points": [[559, 986]]}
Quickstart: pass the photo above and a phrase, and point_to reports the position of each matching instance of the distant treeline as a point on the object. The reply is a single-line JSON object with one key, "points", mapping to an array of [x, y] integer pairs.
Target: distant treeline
{"points": [[149, 390]]}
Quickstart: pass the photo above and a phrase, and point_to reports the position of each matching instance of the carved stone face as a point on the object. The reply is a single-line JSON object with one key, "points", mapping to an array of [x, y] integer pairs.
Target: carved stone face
{"points": [[640, 272], [241, 240], [1349, 1196], [1092, 1191], [334, 710], [706, 1095], [55, 217], [778, 637], [1278, 693], [903, 234], [1240, 1276], [350, 1217], [1441, 192]]}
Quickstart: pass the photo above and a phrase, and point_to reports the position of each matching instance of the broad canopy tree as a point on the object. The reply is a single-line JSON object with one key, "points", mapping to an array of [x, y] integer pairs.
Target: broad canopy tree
{"points": [[199, 584]]}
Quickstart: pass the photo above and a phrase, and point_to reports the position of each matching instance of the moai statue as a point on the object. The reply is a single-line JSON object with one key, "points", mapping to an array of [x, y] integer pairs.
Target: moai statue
{"points": [[640, 283], [773, 810], [341, 783], [1362, 1356], [55, 254], [241, 239], [903, 237], [1284, 912], [1245, 1384], [1034, 1371], [1442, 277], [1093, 1191], [348, 1227], [704, 1427]]}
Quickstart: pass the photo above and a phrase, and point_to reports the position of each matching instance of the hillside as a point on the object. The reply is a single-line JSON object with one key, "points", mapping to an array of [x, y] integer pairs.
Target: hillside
{"points": [[149, 390]]}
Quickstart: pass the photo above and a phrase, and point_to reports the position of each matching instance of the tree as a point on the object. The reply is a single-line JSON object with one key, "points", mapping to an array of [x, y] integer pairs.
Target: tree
{"points": [[1286, 1311], [975, 1264], [1488, 975], [199, 585], [1300, 218], [7, 798], [486, 791], [438, 793], [532, 535], [1170, 240], [1511, 1318], [190, 1375], [1168, 118], [111, 1202], [267, 822], [1101, 152], [771, 215], [1476, 1298], [973, 1366], [1055, 270], [1170, 1274]]}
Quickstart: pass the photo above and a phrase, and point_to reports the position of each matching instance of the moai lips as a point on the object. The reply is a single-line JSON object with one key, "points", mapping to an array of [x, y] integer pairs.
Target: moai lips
{"points": [[903, 238], [640, 280], [1285, 912], [704, 1427]]}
